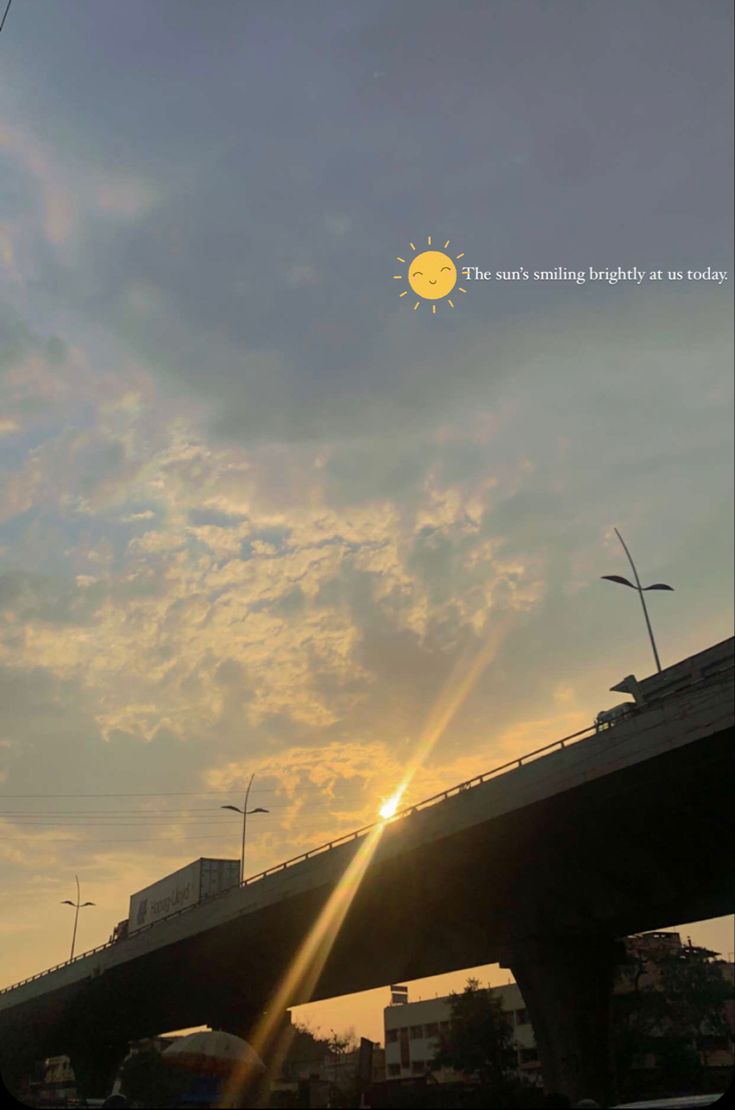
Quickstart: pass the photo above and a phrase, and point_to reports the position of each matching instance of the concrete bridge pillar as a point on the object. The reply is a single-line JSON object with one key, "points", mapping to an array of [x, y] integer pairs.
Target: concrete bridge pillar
{"points": [[566, 983], [17, 1067], [95, 1064]]}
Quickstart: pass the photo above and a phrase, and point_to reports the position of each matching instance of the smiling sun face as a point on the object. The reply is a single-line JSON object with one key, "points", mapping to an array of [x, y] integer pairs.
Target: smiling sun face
{"points": [[432, 275]]}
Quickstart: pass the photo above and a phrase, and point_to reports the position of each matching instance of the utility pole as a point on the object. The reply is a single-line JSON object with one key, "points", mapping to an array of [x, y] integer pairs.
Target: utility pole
{"points": [[77, 907], [640, 590], [245, 811]]}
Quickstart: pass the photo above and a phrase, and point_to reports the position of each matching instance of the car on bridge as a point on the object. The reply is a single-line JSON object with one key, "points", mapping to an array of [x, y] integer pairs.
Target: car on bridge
{"points": [[607, 717]]}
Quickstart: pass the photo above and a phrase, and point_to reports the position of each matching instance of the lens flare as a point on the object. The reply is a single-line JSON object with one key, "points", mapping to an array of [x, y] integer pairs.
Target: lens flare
{"points": [[268, 1038], [390, 808], [452, 697]]}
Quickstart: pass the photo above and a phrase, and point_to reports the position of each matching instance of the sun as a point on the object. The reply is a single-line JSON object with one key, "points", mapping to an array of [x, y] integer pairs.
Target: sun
{"points": [[431, 274], [390, 807]]}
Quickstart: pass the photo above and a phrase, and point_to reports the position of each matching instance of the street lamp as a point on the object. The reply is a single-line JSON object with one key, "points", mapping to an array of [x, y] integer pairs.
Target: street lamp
{"points": [[77, 907], [624, 582], [245, 812]]}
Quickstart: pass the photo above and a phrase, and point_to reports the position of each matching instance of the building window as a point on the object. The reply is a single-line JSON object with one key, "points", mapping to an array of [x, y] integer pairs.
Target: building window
{"points": [[521, 1017], [417, 1031], [391, 1036], [445, 1026], [394, 1069], [405, 1049], [418, 1067], [432, 1029]]}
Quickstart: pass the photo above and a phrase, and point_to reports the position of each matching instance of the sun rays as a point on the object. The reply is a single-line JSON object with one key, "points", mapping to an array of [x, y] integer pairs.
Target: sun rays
{"points": [[268, 1038]]}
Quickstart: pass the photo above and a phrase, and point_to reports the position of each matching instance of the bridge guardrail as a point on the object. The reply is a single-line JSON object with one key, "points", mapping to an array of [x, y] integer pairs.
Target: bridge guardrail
{"points": [[347, 838]]}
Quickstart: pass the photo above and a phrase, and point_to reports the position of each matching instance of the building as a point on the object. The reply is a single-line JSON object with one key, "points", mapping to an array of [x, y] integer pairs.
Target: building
{"points": [[715, 1048], [412, 1031]]}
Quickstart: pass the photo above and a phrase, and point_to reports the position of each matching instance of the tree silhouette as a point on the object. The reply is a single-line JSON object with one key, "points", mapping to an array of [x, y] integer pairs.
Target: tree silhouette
{"points": [[675, 1003], [480, 1040]]}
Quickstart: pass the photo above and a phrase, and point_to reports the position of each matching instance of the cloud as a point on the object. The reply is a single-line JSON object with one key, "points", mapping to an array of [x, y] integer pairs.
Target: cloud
{"points": [[68, 202], [261, 281], [341, 579], [172, 557], [301, 275]]}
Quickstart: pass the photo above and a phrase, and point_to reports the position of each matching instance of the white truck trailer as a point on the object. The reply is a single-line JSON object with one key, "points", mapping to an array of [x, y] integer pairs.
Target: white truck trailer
{"points": [[186, 887]]}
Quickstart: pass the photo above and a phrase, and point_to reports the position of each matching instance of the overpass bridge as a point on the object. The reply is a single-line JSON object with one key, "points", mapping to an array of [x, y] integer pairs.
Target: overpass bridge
{"points": [[539, 864]]}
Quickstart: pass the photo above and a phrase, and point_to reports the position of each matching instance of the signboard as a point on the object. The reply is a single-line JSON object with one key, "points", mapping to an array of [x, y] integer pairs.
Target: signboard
{"points": [[398, 994]]}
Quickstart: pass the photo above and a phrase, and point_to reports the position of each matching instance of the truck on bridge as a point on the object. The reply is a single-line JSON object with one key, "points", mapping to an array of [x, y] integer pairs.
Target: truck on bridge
{"points": [[202, 879]]}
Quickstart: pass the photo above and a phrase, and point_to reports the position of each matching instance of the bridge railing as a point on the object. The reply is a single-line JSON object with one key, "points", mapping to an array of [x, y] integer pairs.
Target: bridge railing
{"points": [[442, 796], [347, 838]]}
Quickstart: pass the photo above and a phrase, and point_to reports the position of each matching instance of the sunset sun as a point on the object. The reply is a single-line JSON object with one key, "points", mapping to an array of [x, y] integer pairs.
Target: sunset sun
{"points": [[389, 808]]}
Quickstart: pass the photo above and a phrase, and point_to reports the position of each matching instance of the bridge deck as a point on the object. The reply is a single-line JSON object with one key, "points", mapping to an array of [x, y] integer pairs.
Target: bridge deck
{"points": [[685, 703]]}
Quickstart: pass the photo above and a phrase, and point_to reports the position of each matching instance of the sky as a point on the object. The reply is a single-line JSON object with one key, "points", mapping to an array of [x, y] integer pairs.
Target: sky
{"points": [[256, 511]]}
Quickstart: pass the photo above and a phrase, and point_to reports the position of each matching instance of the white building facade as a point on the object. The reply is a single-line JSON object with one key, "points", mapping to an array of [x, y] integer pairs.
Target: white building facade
{"points": [[412, 1031]]}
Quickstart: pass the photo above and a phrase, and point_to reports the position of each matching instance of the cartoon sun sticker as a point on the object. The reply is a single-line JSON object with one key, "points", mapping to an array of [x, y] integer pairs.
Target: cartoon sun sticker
{"points": [[432, 275]]}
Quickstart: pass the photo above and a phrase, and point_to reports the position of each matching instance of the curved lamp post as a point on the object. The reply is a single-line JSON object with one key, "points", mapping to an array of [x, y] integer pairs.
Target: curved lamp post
{"points": [[624, 582], [245, 812], [77, 907]]}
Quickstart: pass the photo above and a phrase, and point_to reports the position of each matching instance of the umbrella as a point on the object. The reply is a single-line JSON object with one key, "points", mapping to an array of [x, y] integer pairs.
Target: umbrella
{"points": [[213, 1053]]}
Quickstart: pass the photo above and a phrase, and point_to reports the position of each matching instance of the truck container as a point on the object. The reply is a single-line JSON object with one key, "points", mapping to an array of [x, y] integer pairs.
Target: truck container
{"points": [[186, 887]]}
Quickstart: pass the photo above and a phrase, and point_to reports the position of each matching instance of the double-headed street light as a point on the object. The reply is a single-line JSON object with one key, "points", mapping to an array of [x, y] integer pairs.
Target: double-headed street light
{"points": [[77, 907], [245, 813], [624, 582]]}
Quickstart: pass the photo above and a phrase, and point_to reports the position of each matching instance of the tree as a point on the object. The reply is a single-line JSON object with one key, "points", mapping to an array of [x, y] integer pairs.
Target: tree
{"points": [[695, 991], [479, 1042], [343, 1071], [325, 1057], [305, 1052], [341, 1044], [676, 997], [146, 1079], [308, 1051]]}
